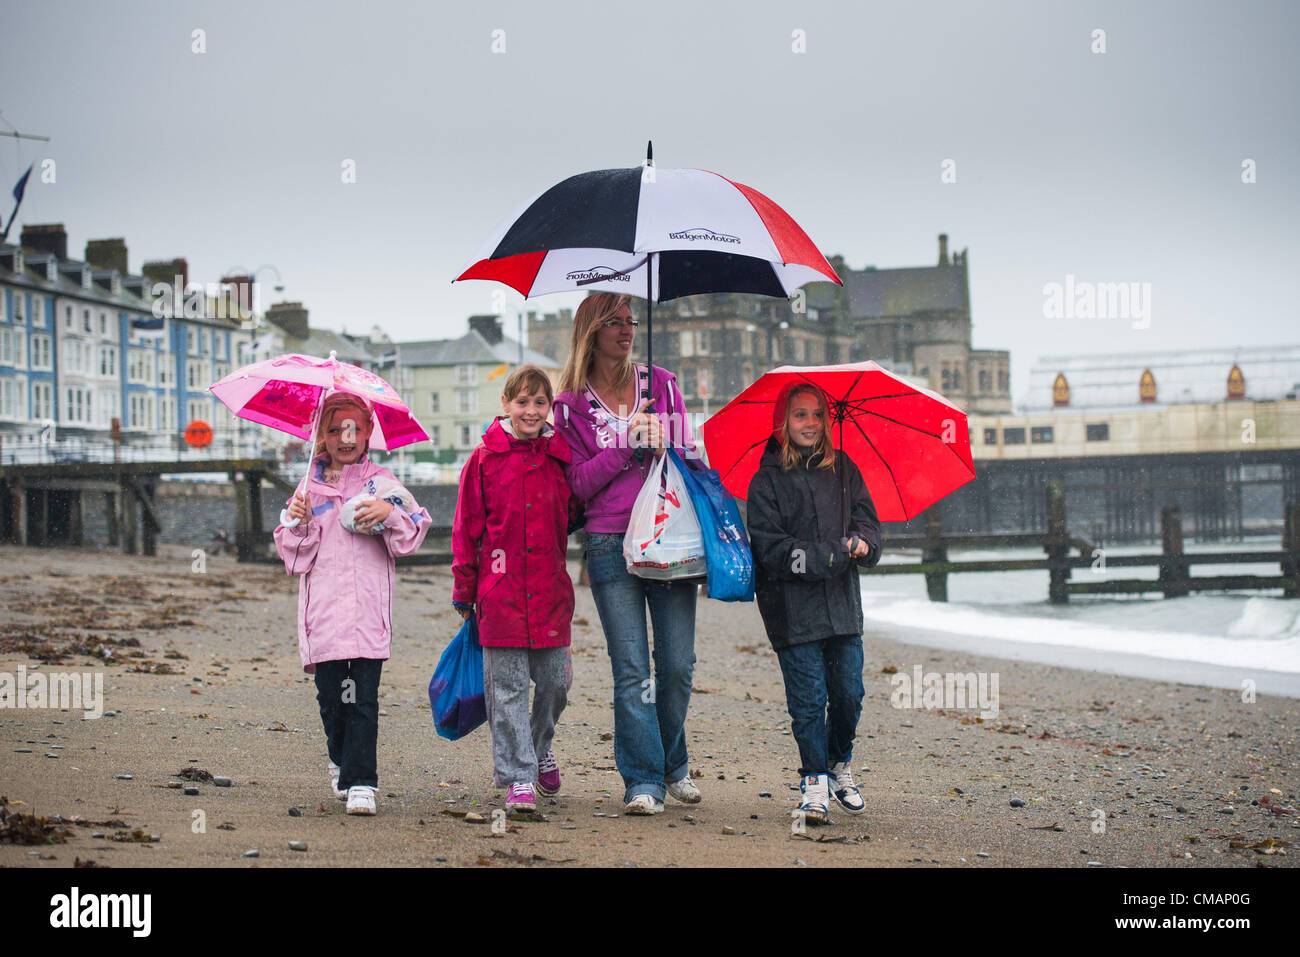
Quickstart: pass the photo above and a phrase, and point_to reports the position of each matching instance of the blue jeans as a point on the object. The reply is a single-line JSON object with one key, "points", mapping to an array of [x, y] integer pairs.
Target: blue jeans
{"points": [[823, 691], [350, 714], [649, 712]]}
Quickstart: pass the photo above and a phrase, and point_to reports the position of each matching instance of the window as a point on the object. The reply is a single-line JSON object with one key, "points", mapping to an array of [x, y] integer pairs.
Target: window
{"points": [[1004, 382], [464, 435], [20, 300], [142, 411], [139, 367], [77, 405], [38, 312], [220, 370], [433, 403], [42, 401], [108, 362], [74, 356], [990, 436], [435, 436], [945, 378], [467, 374], [166, 371], [103, 323], [86, 326], [109, 406], [196, 374], [67, 317], [167, 413], [41, 356], [1097, 432], [1040, 434], [702, 342], [986, 380], [196, 409], [191, 342], [956, 380], [466, 401], [13, 397], [1013, 436], [13, 348]]}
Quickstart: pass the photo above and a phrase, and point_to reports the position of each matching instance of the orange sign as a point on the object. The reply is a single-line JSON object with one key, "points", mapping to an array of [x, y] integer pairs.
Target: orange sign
{"points": [[198, 434], [1060, 390], [1236, 383], [1147, 387]]}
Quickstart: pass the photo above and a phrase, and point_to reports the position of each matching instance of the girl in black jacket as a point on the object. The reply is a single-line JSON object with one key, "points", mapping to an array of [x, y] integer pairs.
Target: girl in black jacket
{"points": [[811, 525]]}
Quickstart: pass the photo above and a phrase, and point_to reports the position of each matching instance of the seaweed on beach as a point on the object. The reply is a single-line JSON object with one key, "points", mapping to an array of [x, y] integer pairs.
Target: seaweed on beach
{"points": [[194, 774], [19, 828]]}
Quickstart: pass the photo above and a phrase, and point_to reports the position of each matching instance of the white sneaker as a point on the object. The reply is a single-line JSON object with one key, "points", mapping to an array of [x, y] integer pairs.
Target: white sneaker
{"points": [[815, 806], [361, 799], [334, 782], [846, 792], [685, 790], [643, 804]]}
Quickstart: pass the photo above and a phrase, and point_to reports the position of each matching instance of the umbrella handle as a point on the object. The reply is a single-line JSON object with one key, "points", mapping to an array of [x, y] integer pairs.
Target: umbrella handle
{"points": [[285, 520]]}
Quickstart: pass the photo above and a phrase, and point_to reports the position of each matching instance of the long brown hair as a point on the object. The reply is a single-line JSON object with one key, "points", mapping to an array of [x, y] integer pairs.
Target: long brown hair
{"points": [[592, 311], [790, 455], [335, 403]]}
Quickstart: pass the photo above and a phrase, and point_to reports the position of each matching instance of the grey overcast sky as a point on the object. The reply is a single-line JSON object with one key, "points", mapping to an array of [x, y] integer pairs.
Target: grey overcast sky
{"points": [[1122, 166]]}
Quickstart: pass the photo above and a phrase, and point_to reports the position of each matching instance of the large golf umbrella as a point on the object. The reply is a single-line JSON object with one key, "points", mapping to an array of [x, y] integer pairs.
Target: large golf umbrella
{"points": [[671, 232], [911, 444]]}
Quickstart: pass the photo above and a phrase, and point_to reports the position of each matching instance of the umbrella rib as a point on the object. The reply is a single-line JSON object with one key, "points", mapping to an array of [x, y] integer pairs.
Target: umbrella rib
{"points": [[897, 491], [742, 455]]}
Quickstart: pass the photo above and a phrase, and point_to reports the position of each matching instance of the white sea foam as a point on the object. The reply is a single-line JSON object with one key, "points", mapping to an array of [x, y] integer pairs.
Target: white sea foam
{"points": [[1227, 629]]}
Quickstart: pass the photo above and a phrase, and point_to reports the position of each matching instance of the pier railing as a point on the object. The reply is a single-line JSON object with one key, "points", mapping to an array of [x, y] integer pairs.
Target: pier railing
{"points": [[1172, 562]]}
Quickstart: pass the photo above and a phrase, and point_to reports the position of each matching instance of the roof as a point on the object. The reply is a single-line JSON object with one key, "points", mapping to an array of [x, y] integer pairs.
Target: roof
{"points": [[888, 293], [469, 349], [1110, 380]]}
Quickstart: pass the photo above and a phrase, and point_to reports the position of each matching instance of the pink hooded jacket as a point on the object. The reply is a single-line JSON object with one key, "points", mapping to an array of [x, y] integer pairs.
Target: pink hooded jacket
{"points": [[508, 539], [345, 594]]}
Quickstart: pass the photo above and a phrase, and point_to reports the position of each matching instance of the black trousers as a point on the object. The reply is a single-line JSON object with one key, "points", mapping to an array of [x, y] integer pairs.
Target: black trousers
{"points": [[348, 694]]}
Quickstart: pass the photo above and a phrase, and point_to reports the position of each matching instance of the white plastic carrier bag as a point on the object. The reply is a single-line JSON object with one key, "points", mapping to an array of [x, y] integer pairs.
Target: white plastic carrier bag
{"points": [[663, 539]]}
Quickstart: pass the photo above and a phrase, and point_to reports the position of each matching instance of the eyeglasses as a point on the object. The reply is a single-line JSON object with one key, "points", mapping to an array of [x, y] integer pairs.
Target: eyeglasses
{"points": [[615, 323]]}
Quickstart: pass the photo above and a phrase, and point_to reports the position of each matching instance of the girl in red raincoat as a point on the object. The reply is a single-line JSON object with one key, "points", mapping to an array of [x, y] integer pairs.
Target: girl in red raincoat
{"points": [[508, 541]]}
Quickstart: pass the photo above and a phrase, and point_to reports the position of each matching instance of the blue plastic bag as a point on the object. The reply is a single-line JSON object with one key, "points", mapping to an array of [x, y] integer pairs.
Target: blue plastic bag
{"points": [[456, 688], [726, 546]]}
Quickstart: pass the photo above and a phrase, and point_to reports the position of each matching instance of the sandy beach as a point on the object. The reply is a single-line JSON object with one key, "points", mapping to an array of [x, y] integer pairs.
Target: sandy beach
{"points": [[1077, 769]]}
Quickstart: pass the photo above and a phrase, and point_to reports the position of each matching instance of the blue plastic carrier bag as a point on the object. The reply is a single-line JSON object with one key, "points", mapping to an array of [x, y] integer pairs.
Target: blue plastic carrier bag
{"points": [[456, 688], [726, 546]]}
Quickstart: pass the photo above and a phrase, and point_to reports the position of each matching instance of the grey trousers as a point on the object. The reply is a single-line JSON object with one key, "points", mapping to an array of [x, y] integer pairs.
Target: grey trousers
{"points": [[519, 739]]}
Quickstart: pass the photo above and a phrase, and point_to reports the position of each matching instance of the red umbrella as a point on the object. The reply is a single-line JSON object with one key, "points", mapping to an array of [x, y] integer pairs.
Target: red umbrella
{"points": [[911, 444]]}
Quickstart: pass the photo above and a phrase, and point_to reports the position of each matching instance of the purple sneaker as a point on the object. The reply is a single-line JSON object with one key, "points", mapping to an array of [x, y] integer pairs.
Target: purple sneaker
{"points": [[548, 774], [521, 797]]}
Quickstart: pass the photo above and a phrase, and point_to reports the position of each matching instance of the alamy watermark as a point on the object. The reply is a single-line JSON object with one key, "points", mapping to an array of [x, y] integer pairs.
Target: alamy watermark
{"points": [[952, 692], [59, 690], [1076, 299]]}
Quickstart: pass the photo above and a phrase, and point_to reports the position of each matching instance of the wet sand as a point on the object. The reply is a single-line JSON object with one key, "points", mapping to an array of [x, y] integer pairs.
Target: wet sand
{"points": [[1113, 770]]}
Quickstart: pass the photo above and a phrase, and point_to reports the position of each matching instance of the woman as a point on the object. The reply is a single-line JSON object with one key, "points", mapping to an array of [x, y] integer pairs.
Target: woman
{"points": [[612, 431]]}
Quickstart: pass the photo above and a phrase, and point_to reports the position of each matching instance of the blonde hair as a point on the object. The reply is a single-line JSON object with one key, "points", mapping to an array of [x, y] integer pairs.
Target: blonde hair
{"points": [[592, 311], [790, 454], [337, 402], [527, 380]]}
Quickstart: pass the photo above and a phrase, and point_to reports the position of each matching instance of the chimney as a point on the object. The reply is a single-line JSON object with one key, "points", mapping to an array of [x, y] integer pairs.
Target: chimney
{"points": [[489, 327], [166, 270], [291, 317], [48, 238], [107, 254], [237, 291], [943, 249]]}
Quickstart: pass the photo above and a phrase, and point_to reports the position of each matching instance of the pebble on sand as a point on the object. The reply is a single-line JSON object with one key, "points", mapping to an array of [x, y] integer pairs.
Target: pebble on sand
{"points": [[191, 790], [471, 817], [221, 782], [253, 853], [1018, 802], [123, 777], [297, 845]]}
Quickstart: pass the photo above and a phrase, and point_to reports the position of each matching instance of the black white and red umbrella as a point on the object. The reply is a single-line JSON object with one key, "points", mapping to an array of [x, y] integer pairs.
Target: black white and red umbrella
{"points": [[670, 232]]}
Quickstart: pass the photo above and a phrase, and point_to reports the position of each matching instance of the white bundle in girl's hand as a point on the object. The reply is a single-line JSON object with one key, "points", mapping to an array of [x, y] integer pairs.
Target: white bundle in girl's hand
{"points": [[389, 492]]}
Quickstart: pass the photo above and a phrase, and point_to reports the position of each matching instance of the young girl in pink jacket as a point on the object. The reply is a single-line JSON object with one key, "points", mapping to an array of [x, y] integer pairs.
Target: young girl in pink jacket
{"points": [[345, 592], [508, 542]]}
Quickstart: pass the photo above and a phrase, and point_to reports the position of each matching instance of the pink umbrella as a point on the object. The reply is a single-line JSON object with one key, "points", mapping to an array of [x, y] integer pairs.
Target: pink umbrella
{"points": [[286, 393]]}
